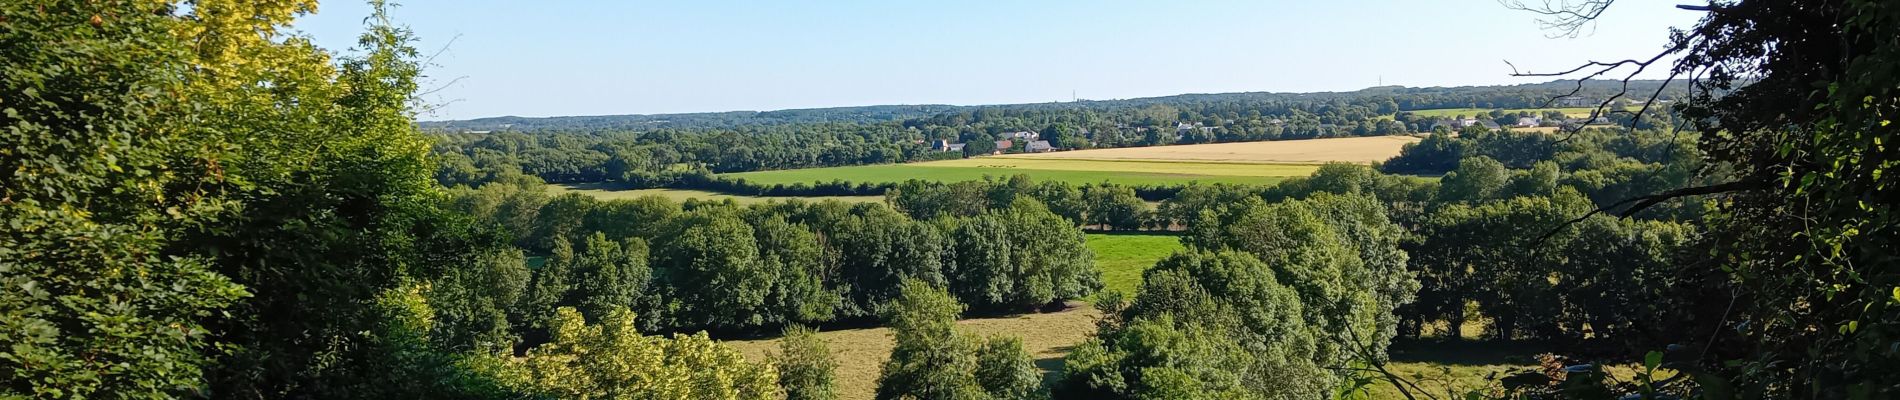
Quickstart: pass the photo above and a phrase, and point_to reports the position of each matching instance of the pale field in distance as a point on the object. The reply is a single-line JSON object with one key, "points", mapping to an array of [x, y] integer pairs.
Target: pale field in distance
{"points": [[1310, 151]]}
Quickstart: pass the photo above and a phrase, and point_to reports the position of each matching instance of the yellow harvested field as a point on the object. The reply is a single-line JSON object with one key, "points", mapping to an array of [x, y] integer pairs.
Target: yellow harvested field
{"points": [[861, 352], [1355, 149]]}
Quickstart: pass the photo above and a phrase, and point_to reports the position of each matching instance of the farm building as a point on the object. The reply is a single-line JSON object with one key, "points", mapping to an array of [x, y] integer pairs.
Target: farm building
{"points": [[1039, 146]]}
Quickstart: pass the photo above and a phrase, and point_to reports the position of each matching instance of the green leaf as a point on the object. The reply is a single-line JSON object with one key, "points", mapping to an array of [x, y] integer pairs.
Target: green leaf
{"points": [[1652, 360]]}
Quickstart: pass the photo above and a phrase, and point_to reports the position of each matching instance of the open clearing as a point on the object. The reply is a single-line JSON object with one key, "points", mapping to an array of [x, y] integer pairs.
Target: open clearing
{"points": [[1310, 151], [861, 352], [1123, 256], [681, 195], [1573, 112]]}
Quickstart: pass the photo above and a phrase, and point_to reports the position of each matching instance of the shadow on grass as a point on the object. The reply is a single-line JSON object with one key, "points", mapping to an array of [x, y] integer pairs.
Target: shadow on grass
{"points": [[1051, 368], [1466, 352]]}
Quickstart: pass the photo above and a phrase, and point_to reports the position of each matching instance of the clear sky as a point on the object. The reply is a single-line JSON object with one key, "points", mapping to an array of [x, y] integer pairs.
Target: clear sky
{"points": [[552, 58]]}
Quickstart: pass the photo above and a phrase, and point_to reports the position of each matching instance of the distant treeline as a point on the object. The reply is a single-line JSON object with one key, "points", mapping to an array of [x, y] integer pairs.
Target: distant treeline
{"points": [[660, 151]]}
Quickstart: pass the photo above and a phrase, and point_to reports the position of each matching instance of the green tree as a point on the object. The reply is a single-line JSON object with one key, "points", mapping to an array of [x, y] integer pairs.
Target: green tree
{"points": [[472, 301], [933, 361], [712, 261], [1114, 207], [610, 276], [1006, 371], [1476, 179], [806, 368], [611, 359], [94, 307], [930, 361], [793, 253]]}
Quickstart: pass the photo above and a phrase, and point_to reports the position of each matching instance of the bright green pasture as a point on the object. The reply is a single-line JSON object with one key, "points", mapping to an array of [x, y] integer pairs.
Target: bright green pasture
{"points": [[604, 193], [1573, 112], [1072, 171], [1123, 256]]}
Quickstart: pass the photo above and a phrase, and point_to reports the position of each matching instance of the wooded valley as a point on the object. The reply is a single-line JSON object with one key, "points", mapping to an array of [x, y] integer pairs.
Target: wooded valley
{"points": [[198, 204]]}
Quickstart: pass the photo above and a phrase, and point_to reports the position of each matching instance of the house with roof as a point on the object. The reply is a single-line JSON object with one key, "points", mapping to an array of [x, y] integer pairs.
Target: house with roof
{"points": [[1576, 101], [1529, 122], [945, 145], [1022, 135], [1002, 146], [1039, 146]]}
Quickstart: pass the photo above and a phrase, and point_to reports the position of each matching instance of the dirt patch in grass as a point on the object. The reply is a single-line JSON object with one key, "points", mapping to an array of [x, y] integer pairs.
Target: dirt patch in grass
{"points": [[861, 352]]}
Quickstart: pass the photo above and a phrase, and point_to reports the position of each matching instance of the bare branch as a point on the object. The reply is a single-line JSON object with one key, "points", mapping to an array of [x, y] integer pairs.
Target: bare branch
{"points": [[1564, 18]]}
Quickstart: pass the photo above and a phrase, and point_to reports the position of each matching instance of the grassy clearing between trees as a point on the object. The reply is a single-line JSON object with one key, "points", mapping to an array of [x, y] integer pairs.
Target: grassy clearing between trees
{"points": [[605, 193], [1122, 257], [1573, 112], [1072, 171], [861, 352], [1310, 151]]}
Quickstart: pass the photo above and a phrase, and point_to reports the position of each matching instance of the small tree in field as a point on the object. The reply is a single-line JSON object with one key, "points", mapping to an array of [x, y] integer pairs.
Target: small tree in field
{"points": [[805, 366], [933, 361]]}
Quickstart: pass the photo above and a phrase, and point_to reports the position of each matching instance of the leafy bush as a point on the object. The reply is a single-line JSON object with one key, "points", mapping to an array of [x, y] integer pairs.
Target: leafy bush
{"points": [[805, 366]]}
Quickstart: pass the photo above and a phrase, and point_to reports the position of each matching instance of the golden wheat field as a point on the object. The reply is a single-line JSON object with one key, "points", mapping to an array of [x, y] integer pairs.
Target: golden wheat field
{"points": [[1355, 149]]}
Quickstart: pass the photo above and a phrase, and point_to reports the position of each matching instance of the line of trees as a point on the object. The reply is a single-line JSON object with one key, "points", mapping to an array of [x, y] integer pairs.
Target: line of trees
{"points": [[726, 267]]}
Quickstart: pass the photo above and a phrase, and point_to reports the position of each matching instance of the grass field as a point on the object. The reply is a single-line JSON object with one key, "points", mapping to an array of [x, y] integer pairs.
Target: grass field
{"points": [[1072, 171], [604, 193], [1310, 151], [861, 352], [1248, 162], [1122, 257], [1573, 112]]}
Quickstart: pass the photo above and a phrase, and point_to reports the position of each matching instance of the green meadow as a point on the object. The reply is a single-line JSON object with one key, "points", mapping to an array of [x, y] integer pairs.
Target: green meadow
{"points": [[1072, 171], [1123, 256]]}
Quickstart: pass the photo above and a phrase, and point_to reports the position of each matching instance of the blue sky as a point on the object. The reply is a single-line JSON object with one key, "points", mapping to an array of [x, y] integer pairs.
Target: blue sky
{"points": [[551, 58]]}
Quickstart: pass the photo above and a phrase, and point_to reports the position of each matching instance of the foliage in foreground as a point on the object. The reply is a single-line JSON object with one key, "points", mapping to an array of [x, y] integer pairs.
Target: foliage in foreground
{"points": [[612, 360]]}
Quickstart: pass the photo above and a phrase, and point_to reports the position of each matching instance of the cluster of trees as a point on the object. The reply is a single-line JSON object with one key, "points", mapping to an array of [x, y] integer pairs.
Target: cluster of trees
{"points": [[727, 267], [931, 360], [1104, 206], [1268, 301]]}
